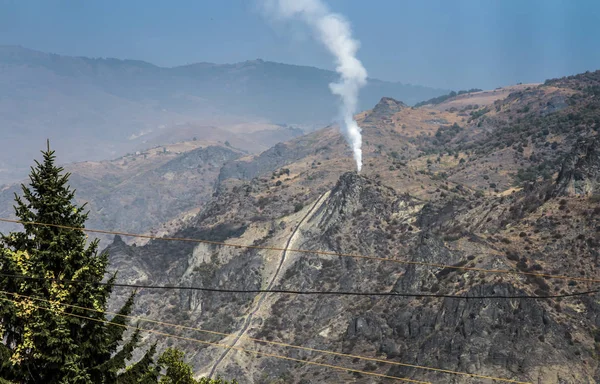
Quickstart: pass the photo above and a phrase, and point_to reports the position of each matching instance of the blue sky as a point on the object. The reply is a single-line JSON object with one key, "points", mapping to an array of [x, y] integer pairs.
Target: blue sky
{"points": [[441, 43]]}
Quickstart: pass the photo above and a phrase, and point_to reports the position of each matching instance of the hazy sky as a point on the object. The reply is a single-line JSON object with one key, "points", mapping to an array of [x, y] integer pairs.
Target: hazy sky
{"points": [[441, 43]]}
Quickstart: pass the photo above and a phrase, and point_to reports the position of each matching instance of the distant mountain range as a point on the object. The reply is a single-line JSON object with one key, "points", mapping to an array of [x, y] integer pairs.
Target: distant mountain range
{"points": [[96, 108]]}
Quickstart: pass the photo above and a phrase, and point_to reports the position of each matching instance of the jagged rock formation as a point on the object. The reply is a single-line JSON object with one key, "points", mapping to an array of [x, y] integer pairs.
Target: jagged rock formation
{"points": [[580, 172], [385, 108], [483, 196], [507, 338]]}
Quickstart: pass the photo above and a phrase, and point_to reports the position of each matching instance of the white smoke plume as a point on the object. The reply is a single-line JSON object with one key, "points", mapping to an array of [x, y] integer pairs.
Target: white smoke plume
{"points": [[334, 32]]}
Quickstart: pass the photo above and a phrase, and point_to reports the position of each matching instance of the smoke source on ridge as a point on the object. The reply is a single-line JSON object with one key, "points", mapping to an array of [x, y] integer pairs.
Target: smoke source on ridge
{"points": [[334, 32]]}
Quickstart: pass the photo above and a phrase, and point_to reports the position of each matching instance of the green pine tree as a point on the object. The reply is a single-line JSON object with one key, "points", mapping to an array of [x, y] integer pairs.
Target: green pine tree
{"points": [[49, 340], [45, 345], [142, 372], [176, 371]]}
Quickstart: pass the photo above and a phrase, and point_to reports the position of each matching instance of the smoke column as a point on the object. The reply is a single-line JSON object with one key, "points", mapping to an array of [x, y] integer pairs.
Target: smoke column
{"points": [[334, 32]]}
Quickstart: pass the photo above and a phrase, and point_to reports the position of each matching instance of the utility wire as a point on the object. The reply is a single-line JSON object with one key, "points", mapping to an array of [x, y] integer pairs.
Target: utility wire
{"points": [[306, 251], [293, 292], [228, 346], [271, 342]]}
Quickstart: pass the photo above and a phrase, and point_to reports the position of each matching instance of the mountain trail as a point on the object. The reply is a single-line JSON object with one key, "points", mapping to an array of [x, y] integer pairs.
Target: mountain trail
{"points": [[263, 296]]}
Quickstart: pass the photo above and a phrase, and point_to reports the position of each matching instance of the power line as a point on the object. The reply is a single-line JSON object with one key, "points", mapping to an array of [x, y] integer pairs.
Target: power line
{"points": [[306, 251], [272, 342], [293, 292], [228, 346], [256, 307]]}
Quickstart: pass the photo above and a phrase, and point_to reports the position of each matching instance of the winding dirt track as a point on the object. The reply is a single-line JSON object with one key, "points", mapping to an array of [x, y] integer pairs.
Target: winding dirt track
{"points": [[263, 296]]}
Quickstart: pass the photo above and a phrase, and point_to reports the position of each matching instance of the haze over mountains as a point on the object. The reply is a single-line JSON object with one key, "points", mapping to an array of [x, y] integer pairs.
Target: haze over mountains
{"points": [[101, 108]]}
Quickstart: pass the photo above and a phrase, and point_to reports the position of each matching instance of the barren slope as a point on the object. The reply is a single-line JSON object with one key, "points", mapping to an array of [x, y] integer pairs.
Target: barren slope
{"points": [[491, 192]]}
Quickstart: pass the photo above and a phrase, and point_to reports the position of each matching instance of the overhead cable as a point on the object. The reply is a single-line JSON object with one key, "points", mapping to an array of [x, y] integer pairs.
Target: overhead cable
{"points": [[310, 252]]}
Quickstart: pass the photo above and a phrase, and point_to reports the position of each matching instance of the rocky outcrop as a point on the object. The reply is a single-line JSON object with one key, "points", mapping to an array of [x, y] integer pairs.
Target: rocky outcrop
{"points": [[513, 339], [384, 109], [529, 341], [363, 209], [516, 339], [554, 104], [354, 193], [580, 172]]}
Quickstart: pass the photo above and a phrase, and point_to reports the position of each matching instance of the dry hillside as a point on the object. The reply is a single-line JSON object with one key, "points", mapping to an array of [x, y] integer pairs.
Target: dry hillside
{"points": [[510, 183], [142, 191]]}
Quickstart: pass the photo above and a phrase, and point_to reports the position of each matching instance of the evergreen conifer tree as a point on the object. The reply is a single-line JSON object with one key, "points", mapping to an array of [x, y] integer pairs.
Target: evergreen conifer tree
{"points": [[45, 345], [62, 342]]}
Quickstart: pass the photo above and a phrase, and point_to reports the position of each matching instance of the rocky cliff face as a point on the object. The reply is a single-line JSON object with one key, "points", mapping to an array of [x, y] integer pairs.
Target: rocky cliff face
{"points": [[525, 340], [507, 338], [580, 172], [385, 108], [432, 213]]}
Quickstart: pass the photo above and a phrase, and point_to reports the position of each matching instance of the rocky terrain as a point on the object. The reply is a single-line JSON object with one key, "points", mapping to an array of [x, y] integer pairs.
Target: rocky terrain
{"points": [[504, 180], [445, 186]]}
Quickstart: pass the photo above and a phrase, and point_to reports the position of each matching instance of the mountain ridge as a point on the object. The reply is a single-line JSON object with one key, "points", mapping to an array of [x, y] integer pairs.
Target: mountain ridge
{"points": [[96, 109], [200, 65], [431, 191]]}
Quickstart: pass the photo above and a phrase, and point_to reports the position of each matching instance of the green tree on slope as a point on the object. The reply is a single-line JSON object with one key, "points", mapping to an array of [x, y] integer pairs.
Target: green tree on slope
{"points": [[55, 343], [45, 345]]}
